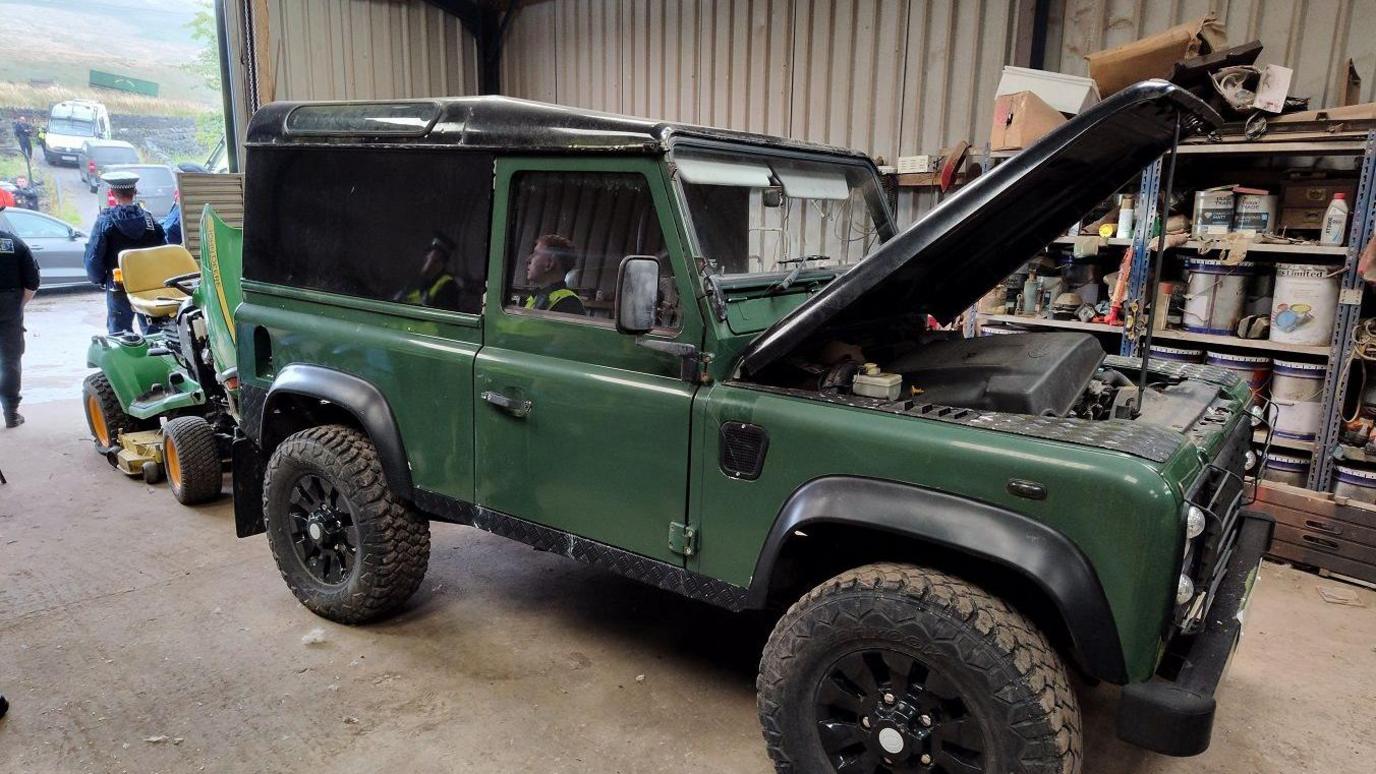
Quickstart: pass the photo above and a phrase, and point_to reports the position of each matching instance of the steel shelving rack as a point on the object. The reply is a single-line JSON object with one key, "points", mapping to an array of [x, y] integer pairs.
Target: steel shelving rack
{"points": [[1338, 353]]}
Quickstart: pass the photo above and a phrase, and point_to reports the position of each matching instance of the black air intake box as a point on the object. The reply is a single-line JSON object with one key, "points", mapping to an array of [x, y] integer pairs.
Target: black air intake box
{"points": [[1026, 373]]}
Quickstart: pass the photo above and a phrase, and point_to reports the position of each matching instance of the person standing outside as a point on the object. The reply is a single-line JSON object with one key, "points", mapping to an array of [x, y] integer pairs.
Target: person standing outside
{"points": [[122, 227], [23, 134], [18, 284]]}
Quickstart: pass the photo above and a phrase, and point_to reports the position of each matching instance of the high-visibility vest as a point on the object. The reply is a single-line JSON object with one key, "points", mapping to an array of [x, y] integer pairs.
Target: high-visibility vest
{"points": [[428, 297], [553, 298]]}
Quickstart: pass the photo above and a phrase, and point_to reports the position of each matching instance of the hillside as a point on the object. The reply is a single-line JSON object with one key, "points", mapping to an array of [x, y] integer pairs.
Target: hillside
{"points": [[60, 41]]}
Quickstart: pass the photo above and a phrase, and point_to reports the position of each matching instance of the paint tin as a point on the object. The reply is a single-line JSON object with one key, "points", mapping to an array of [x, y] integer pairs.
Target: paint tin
{"points": [[1297, 394], [1286, 469], [1213, 213], [1215, 296], [1355, 484], [1255, 214], [1253, 369], [1304, 305]]}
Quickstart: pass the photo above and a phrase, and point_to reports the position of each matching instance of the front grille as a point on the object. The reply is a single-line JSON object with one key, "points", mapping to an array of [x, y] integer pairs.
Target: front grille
{"points": [[1220, 492]]}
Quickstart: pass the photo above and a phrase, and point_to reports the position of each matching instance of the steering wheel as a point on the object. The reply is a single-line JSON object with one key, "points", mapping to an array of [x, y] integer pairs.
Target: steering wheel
{"points": [[186, 283]]}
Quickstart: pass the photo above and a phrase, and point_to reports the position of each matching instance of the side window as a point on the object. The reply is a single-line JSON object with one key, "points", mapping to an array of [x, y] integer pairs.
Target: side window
{"points": [[393, 225], [30, 226], [569, 232]]}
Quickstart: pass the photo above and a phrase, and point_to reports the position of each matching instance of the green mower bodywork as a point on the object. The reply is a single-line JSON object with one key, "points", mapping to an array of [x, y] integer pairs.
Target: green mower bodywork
{"points": [[186, 369]]}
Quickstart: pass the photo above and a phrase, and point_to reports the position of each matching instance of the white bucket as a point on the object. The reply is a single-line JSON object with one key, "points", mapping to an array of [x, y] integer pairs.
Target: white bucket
{"points": [[1306, 299], [1286, 469], [1297, 394], [1177, 354], [1355, 484], [1215, 295], [1254, 369]]}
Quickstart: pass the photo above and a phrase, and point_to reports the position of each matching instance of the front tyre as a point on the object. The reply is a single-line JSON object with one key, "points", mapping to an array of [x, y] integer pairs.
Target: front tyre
{"points": [[191, 459], [895, 668], [346, 545]]}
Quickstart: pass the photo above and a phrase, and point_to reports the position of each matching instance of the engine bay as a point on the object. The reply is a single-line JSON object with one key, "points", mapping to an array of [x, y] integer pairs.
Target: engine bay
{"points": [[1054, 374]]}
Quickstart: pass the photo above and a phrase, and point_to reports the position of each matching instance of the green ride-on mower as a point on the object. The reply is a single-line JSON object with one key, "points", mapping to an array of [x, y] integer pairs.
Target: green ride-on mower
{"points": [[165, 403]]}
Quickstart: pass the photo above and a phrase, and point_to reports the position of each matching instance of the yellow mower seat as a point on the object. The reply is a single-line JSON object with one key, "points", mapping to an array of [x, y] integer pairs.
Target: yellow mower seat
{"points": [[146, 269]]}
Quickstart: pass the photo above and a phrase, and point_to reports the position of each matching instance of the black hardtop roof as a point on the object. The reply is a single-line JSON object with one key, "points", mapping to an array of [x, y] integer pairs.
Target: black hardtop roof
{"points": [[505, 123]]}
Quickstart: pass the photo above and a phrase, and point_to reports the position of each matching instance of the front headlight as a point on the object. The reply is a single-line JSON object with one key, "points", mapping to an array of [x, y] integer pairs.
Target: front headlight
{"points": [[1184, 590], [1194, 522]]}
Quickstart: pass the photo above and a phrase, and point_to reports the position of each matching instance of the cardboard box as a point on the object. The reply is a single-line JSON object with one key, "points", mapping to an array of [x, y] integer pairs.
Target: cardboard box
{"points": [[1021, 119], [1067, 93], [1317, 193], [1153, 57], [1302, 218]]}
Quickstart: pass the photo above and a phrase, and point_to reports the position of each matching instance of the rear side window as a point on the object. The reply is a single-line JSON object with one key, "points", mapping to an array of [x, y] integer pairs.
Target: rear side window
{"points": [[409, 226]]}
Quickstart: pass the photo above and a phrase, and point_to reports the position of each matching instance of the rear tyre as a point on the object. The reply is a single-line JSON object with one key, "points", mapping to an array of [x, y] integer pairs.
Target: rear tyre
{"points": [[891, 668], [347, 546], [105, 417], [191, 458]]}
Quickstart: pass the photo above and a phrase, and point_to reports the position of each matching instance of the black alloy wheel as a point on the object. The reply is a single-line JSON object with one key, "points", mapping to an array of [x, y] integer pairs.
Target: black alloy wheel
{"points": [[322, 530], [879, 710]]}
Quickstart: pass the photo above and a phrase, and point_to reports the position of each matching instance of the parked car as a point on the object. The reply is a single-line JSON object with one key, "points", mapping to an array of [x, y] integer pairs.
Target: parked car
{"points": [[157, 188], [96, 155], [70, 124], [59, 249], [653, 347]]}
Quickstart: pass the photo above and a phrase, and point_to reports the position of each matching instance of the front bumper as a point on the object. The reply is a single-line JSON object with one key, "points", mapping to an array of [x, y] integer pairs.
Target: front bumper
{"points": [[1177, 717]]}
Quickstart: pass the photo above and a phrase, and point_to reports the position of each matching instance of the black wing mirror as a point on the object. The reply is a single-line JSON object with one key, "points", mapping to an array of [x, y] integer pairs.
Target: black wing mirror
{"points": [[637, 294]]}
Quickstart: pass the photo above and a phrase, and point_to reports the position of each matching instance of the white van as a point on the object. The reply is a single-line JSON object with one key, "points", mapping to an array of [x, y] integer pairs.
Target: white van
{"points": [[70, 124]]}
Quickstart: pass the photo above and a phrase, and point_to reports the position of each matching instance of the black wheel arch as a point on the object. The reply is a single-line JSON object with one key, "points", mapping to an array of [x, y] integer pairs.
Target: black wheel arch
{"points": [[300, 385], [1002, 541]]}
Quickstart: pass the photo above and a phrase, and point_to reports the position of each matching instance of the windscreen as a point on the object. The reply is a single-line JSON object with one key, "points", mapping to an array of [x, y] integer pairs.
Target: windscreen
{"points": [[72, 127], [757, 213], [154, 177]]}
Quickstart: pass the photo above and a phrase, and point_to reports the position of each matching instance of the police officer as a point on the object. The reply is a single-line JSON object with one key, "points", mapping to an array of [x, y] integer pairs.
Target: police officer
{"points": [[124, 226], [435, 286], [18, 284], [551, 259]]}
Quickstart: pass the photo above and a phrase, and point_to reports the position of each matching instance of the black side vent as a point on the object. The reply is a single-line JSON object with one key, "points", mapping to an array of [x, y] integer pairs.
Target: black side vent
{"points": [[742, 450]]}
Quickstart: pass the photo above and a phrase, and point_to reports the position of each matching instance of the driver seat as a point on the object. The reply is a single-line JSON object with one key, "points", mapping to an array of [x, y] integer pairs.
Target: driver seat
{"points": [[147, 269]]}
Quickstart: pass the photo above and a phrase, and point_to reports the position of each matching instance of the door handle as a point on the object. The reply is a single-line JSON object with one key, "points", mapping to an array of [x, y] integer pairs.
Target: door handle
{"points": [[516, 408]]}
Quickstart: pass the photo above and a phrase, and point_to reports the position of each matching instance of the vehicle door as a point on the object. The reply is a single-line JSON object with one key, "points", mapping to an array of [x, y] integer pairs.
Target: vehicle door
{"points": [[579, 427], [57, 247]]}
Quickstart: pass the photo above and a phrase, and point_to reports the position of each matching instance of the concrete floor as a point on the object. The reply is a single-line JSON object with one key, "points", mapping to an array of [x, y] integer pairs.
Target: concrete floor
{"points": [[125, 618]]}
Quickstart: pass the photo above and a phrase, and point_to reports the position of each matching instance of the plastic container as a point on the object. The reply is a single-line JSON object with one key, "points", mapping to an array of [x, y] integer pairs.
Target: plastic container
{"points": [[1216, 295], [1178, 355], [1253, 369], [1304, 303], [1297, 395], [1286, 469], [1334, 221], [1125, 217], [1355, 484]]}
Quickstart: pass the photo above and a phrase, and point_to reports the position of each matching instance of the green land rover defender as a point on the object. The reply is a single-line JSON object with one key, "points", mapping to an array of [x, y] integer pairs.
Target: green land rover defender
{"points": [[706, 360]]}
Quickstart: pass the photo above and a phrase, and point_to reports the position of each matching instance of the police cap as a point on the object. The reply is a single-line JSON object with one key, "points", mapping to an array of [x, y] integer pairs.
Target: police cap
{"points": [[120, 180]]}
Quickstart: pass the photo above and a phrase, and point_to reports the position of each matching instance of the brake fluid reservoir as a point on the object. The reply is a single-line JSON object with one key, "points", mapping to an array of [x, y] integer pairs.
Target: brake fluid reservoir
{"points": [[874, 383]]}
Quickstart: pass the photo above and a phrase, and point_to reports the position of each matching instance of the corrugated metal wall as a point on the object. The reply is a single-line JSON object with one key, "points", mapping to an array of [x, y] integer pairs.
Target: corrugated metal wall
{"points": [[1315, 37], [367, 49], [890, 77]]}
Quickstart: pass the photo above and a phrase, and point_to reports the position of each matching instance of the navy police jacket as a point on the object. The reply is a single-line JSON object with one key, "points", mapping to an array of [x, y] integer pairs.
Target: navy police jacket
{"points": [[122, 227]]}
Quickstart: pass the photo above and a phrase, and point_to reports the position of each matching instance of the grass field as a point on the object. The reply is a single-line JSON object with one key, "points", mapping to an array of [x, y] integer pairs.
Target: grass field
{"points": [[23, 95]]}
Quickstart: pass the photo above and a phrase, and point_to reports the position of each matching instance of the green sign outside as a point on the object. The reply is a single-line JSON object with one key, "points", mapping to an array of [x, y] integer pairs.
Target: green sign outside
{"points": [[106, 80]]}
